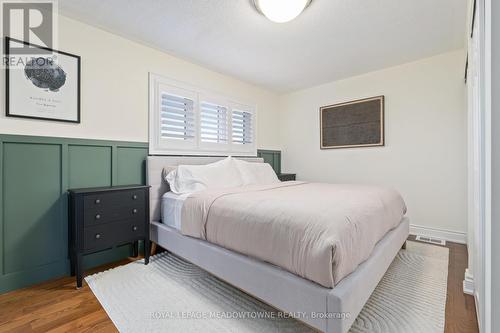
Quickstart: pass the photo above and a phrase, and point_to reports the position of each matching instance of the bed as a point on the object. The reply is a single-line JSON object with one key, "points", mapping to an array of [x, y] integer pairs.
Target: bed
{"points": [[326, 308]]}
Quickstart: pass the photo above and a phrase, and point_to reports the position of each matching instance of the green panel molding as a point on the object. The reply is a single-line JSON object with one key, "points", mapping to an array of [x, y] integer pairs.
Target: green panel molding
{"points": [[273, 157], [131, 166], [32, 214], [36, 173], [89, 166]]}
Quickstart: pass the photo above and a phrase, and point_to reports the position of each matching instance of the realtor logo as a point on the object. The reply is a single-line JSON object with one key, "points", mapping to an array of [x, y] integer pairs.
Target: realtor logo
{"points": [[29, 21]]}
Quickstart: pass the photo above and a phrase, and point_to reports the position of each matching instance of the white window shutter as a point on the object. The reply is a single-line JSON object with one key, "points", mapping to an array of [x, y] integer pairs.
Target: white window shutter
{"points": [[177, 117], [242, 127], [213, 123]]}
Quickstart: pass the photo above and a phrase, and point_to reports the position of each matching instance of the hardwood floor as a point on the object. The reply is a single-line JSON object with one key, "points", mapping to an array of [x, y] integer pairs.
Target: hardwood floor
{"points": [[57, 306], [460, 308]]}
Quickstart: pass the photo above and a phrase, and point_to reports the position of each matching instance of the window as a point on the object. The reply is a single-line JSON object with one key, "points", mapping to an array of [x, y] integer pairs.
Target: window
{"points": [[213, 123], [191, 121], [242, 127], [177, 117]]}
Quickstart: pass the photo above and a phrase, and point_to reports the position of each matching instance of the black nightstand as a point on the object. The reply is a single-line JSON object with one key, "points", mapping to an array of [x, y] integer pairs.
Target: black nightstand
{"points": [[285, 177], [104, 217]]}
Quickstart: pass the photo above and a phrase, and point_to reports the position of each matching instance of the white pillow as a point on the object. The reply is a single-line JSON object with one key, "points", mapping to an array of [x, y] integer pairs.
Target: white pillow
{"points": [[194, 178], [256, 173]]}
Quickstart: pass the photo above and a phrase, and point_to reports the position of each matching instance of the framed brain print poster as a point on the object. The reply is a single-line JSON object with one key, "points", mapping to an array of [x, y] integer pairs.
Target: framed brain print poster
{"points": [[42, 83]]}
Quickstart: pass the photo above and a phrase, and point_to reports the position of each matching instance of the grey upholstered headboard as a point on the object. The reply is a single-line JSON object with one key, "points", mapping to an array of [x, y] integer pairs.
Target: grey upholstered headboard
{"points": [[154, 176]]}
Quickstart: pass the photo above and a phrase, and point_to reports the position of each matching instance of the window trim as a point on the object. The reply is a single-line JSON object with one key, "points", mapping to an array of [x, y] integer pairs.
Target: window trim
{"points": [[158, 146]]}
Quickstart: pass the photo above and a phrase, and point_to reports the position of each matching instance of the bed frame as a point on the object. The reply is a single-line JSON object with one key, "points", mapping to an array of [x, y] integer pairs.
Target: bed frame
{"points": [[327, 310]]}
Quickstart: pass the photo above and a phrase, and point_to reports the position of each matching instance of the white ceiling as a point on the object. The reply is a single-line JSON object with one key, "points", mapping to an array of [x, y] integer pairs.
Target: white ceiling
{"points": [[331, 40]]}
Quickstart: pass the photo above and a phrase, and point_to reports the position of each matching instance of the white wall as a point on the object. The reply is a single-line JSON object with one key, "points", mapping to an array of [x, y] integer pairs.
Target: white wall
{"points": [[426, 139], [115, 89]]}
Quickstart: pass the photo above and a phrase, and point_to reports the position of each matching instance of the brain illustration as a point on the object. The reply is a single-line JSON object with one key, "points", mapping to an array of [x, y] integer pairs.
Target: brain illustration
{"points": [[45, 74]]}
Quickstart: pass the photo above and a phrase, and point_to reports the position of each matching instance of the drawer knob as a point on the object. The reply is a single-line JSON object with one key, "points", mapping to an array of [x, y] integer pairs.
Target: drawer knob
{"points": [[134, 197], [97, 201], [134, 211], [134, 228], [98, 216], [97, 236]]}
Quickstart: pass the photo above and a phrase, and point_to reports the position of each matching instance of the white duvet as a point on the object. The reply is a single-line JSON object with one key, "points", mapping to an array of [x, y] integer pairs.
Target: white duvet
{"points": [[321, 232]]}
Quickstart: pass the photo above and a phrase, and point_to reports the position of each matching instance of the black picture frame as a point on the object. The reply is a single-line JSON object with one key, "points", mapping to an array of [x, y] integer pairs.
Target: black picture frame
{"points": [[8, 112]]}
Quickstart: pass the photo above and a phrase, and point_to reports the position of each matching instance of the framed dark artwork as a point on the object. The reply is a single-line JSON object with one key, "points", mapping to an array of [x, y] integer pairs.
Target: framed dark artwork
{"points": [[44, 85], [352, 124]]}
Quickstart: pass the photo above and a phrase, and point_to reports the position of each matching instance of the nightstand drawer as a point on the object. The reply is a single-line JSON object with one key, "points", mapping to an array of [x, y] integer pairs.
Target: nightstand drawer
{"points": [[108, 199], [111, 207], [130, 231], [111, 234], [98, 237], [113, 214]]}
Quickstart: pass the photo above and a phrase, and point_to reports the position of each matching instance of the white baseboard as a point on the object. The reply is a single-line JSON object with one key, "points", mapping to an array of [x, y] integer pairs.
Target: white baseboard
{"points": [[478, 313], [448, 235], [468, 283]]}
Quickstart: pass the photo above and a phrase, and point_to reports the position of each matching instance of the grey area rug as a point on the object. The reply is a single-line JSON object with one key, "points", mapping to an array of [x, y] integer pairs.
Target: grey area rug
{"points": [[172, 295]]}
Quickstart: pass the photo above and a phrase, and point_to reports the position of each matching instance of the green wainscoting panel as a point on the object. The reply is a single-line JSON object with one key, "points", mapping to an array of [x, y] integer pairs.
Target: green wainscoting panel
{"points": [[131, 166], [89, 166], [272, 157], [35, 174], [32, 207]]}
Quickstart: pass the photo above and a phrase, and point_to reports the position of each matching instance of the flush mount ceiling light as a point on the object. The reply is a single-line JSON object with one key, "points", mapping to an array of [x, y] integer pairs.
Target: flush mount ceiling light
{"points": [[281, 11]]}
